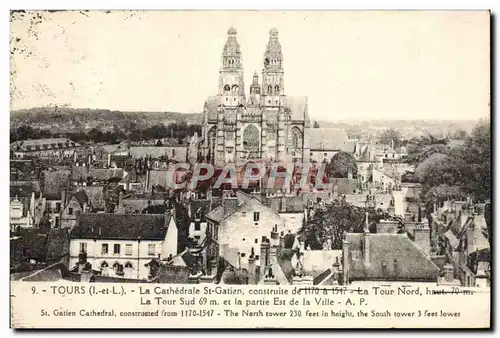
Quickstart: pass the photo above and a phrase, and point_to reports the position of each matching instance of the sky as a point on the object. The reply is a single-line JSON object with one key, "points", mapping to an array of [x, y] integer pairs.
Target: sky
{"points": [[350, 65]]}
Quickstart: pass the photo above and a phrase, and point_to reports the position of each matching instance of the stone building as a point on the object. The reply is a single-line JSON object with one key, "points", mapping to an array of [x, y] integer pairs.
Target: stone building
{"points": [[265, 125]]}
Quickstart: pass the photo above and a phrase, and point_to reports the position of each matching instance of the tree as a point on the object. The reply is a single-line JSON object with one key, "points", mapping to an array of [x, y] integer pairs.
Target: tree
{"points": [[476, 154], [459, 134], [454, 173], [421, 148], [328, 225], [316, 124], [340, 165], [409, 177], [390, 136]]}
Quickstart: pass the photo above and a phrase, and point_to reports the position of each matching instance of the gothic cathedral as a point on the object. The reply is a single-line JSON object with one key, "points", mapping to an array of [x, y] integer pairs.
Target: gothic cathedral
{"points": [[268, 125]]}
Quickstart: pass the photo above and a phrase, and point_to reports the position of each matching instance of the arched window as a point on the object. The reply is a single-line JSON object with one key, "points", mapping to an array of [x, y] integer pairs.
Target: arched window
{"points": [[270, 89], [296, 138], [129, 270], [277, 89], [118, 269], [235, 88], [251, 139], [104, 268], [227, 88]]}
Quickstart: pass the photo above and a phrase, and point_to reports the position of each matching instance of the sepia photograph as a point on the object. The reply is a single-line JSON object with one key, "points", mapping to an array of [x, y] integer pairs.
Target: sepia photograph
{"points": [[235, 166]]}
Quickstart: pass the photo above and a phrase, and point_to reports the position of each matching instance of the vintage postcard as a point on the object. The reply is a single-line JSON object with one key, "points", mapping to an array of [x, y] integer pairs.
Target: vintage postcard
{"points": [[250, 169]]}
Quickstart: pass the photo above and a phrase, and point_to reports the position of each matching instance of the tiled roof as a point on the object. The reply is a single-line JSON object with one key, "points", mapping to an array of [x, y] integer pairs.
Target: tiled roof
{"points": [[393, 257], [95, 194], [229, 206], [30, 244], [316, 262], [133, 204], [57, 245], [54, 182], [349, 146], [52, 273], [98, 174], [285, 203], [121, 226], [43, 144], [391, 172], [81, 197], [157, 152], [328, 139], [172, 274], [366, 155], [216, 214], [284, 258]]}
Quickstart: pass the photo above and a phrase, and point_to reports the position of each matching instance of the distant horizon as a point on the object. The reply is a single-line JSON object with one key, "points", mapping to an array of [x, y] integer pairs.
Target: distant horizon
{"points": [[310, 117], [350, 64]]}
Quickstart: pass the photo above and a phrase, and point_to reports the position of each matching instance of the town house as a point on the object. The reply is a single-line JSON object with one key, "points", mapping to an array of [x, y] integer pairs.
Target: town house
{"points": [[122, 245]]}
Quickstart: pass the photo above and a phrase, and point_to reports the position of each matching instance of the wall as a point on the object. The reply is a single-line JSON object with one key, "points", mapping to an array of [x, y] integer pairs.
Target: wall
{"points": [[139, 257], [319, 155], [170, 244], [200, 233], [240, 231], [293, 221], [67, 220], [365, 171]]}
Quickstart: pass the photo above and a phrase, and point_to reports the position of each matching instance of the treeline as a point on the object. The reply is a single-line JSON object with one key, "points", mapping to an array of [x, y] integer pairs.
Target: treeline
{"points": [[454, 172], [131, 132]]}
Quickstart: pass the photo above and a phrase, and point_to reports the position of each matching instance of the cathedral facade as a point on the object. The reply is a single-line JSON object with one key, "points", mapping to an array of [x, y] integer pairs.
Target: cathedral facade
{"points": [[266, 124]]}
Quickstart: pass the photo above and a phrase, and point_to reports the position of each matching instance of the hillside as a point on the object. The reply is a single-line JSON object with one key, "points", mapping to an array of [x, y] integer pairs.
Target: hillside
{"points": [[85, 119]]}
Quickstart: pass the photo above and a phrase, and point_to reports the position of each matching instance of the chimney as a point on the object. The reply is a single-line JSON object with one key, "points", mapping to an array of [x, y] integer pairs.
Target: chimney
{"points": [[252, 269], [422, 237], [269, 278], [63, 199], [366, 243], [82, 260], [32, 204], [471, 240], [282, 240], [335, 271], [449, 276], [275, 236], [264, 255], [120, 199], [272, 257], [345, 261]]}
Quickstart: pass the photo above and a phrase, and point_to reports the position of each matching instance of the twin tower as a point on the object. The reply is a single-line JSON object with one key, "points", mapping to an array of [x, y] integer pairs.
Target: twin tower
{"points": [[267, 125], [231, 84]]}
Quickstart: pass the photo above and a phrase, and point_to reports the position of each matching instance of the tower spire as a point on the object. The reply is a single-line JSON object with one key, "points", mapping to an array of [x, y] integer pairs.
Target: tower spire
{"points": [[231, 85], [273, 73], [231, 53]]}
